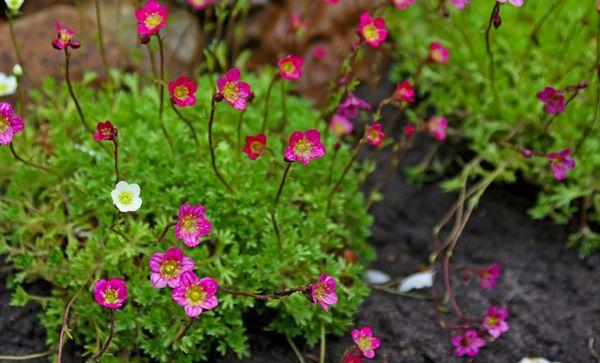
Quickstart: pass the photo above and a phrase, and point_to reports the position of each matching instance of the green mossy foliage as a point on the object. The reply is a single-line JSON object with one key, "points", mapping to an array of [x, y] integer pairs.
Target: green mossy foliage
{"points": [[58, 230]]}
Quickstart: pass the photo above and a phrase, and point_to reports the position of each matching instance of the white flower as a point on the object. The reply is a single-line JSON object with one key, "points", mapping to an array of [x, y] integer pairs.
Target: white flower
{"points": [[535, 360], [126, 197], [14, 5], [17, 70], [8, 84], [417, 281]]}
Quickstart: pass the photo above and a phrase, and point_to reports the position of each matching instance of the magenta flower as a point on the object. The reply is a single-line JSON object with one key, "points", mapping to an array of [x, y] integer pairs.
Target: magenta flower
{"points": [[460, 4], [319, 53], [192, 224], [365, 341], [554, 100], [403, 4], [323, 292], [409, 130], [111, 293], [105, 131], [352, 106], [64, 38], [183, 91], [255, 145], [517, 3], [437, 126], [290, 67], [373, 30], [167, 267], [467, 344], [194, 294], [304, 146], [374, 134], [489, 276], [200, 4], [297, 24], [561, 162], [353, 358], [10, 124], [151, 18], [340, 125], [495, 321], [438, 54], [234, 91], [404, 93]]}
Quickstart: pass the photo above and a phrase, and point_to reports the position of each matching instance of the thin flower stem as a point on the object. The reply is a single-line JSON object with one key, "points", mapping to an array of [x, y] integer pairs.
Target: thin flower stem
{"points": [[72, 93], [361, 144], [323, 344], [165, 231], [276, 202], [239, 131], [161, 91], [333, 158], [101, 39], [116, 155], [211, 145], [495, 13], [295, 349], [184, 331], [26, 356], [109, 339], [188, 122], [267, 98], [31, 164], [274, 295], [283, 105]]}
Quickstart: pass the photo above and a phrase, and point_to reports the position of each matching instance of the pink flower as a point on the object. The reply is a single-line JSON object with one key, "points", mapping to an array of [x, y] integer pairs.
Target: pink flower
{"points": [[365, 341], [489, 276], [409, 130], [110, 294], [517, 3], [182, 91], [438, 54], [353, 358], [553, 99], [105, 131], [561, 162], [323, 292], [340, 125], [403, 4], [255, 145], [167, 267], [304, 146], [373, 30], [404, 93], [437, 126], [290, 67], [374, 134], [151, 18], [460, 4], [467, 344], [194, 294], [200, 4], [234, 91], [352, 106], [495, 322], [331, 1], [297, 24], [192, 224], [10, 124], [64, 38], [319, 53]]}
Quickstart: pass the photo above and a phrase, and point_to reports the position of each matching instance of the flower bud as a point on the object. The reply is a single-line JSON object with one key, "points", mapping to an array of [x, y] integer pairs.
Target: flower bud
{"points": [[219, 97], [527, 153], [144, 39], [74, 44], [17, 70]]}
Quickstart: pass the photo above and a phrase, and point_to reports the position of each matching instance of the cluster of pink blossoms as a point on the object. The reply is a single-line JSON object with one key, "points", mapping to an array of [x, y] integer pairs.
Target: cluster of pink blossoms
{"points": [[469, 343]]}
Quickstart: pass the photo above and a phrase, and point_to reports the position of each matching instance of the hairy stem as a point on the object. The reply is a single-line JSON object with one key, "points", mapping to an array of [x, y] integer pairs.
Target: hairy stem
{"points": [[344, 173], [213, 161], [188, 123], [72, 93], [32, 164], [239, 131], [266, 110], [109, 339], [101, 39], [277, 196], [116, 157], [161, 91], [274, 295]]}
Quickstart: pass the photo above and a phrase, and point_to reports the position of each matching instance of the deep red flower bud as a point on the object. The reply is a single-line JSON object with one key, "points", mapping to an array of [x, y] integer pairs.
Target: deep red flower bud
{"points": [[497, 21], [74, 44], [219, 97], [250, 97], [145, 39], [527, 153], [337, 146]]}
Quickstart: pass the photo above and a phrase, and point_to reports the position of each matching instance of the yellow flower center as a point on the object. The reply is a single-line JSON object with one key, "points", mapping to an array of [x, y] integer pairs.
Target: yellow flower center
{"points": [[3, 122], [256, 147], [320, 291], [64, 36], [181, 92], [126, 197], [195, 295], [230, 91], [371, 32], [492, 321], [303, 147], [437, 56], [169, 269], [288, 67], [374, 135], [111, 296], [189, 223], [153, 20], [364, 342]]}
